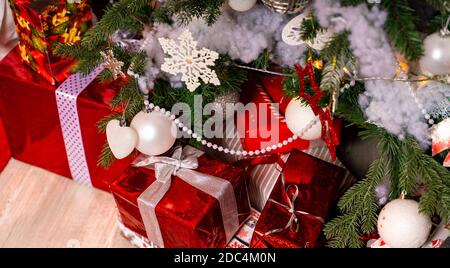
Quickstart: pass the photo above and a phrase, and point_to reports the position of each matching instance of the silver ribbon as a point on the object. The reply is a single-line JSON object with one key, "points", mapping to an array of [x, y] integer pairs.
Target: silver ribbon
{"points": [[182, 164], [66, 99], [293, 223]]}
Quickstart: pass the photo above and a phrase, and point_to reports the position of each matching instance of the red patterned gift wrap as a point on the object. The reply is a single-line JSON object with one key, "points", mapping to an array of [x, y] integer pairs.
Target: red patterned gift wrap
{"points": [[293, 216], [268, 127], [185, 215], [32, 111], [42, 23]]}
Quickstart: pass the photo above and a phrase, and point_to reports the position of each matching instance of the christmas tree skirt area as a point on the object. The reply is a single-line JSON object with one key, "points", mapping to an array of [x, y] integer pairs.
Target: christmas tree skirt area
{"points": [[41, 209]]}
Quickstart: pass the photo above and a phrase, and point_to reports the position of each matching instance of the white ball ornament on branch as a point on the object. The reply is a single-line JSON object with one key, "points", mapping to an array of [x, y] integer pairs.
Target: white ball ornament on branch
{"points": [[298, 116], [402, 225], [121, 139], [436, 60], [241, 5], [156, 132]]}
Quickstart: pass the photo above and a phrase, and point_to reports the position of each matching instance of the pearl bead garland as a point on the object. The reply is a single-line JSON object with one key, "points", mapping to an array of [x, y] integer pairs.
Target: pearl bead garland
{"points": [[151, 107], [419, 104]]}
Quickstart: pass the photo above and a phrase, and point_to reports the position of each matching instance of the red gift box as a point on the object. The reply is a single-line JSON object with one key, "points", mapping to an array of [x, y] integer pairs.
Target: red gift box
{"points": [[32, 116], [258, 131], [293, 216], [40, 24], [5, 151], [185, 215]]}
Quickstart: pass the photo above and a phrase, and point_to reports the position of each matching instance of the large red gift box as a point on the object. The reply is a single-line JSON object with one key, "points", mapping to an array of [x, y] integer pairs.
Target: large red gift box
{"points": [[300, 201], [32, 118], [186, 215], [42, 23]]}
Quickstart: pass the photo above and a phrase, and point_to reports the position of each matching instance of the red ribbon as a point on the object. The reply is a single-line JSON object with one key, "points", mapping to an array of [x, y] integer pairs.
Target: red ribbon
{"points": [[329, 137]]}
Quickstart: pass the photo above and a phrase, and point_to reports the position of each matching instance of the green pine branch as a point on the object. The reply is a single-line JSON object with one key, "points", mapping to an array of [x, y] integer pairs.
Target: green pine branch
{"points": [[187, 10], [106, 158], [401, 29], [360, 210], [441, 5], [402, 162], [310, 28]]}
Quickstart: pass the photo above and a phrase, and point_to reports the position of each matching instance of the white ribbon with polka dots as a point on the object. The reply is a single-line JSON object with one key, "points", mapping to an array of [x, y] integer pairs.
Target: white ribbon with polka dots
{"points": [[66, 99]]}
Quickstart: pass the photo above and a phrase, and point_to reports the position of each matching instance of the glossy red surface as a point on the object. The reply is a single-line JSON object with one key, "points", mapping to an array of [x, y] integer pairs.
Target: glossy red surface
{"points": [[5, 151], [317, 182], [30, 116], [187, 217], [252, 130]]}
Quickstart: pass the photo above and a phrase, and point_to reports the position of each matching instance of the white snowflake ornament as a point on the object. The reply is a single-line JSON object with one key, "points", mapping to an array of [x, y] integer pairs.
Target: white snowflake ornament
{"points": [[186, 59]]}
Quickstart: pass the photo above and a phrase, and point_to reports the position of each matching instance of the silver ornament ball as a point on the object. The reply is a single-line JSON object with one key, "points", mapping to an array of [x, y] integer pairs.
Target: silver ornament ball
{"points": [[156, 132], [221, 101], [436, 60]]}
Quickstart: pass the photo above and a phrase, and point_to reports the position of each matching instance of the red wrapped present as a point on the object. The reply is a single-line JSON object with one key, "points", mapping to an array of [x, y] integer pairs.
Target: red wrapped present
{"points": [[293, 216], [266, 125], [186, 200], [5, 151], [440, 135], [40, 24], [55, 127]]}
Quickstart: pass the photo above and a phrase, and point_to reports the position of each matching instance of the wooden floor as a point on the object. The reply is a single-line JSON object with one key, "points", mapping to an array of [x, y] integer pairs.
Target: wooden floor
{"points": [[41, 209]]}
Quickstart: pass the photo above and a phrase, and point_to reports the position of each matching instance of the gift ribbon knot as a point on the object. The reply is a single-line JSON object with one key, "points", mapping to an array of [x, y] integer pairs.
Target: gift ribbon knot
{"points": [[293, 223], [182, 164]]}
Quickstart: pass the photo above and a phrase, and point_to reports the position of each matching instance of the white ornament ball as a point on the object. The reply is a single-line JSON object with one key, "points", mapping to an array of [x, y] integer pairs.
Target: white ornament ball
{"points": [[157, 133], [436, 60], [241, 5], [401, 225], [298, 116], [121, 139]]}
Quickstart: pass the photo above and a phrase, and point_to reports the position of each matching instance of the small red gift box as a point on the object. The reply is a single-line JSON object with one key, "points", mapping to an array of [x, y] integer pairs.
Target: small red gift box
{"points": [[55, 127], [293, 216], [40, 24], [188, 200]]}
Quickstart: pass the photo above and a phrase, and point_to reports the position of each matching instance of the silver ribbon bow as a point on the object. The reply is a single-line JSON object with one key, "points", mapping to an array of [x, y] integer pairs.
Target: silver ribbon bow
{"points": [[182, 164], [293, 223]]}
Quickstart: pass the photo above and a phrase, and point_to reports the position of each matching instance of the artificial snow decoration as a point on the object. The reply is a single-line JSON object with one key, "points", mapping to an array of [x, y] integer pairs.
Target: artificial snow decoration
{"points": [[186, 59], [442, 110], [112, 64]]}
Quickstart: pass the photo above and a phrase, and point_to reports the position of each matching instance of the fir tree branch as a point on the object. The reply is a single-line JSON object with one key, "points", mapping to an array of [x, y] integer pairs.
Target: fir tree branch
{"points": [[187, 10], [310, 28], [441, 5], [360, 210], [401, 29], [106, 158]]}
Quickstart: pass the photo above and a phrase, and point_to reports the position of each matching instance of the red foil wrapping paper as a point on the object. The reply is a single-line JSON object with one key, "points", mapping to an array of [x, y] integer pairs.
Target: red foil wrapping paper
{"points": [[5, 151], [29, 111], [40, 24], [318, 184], [188, 217], [266, 91]]}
